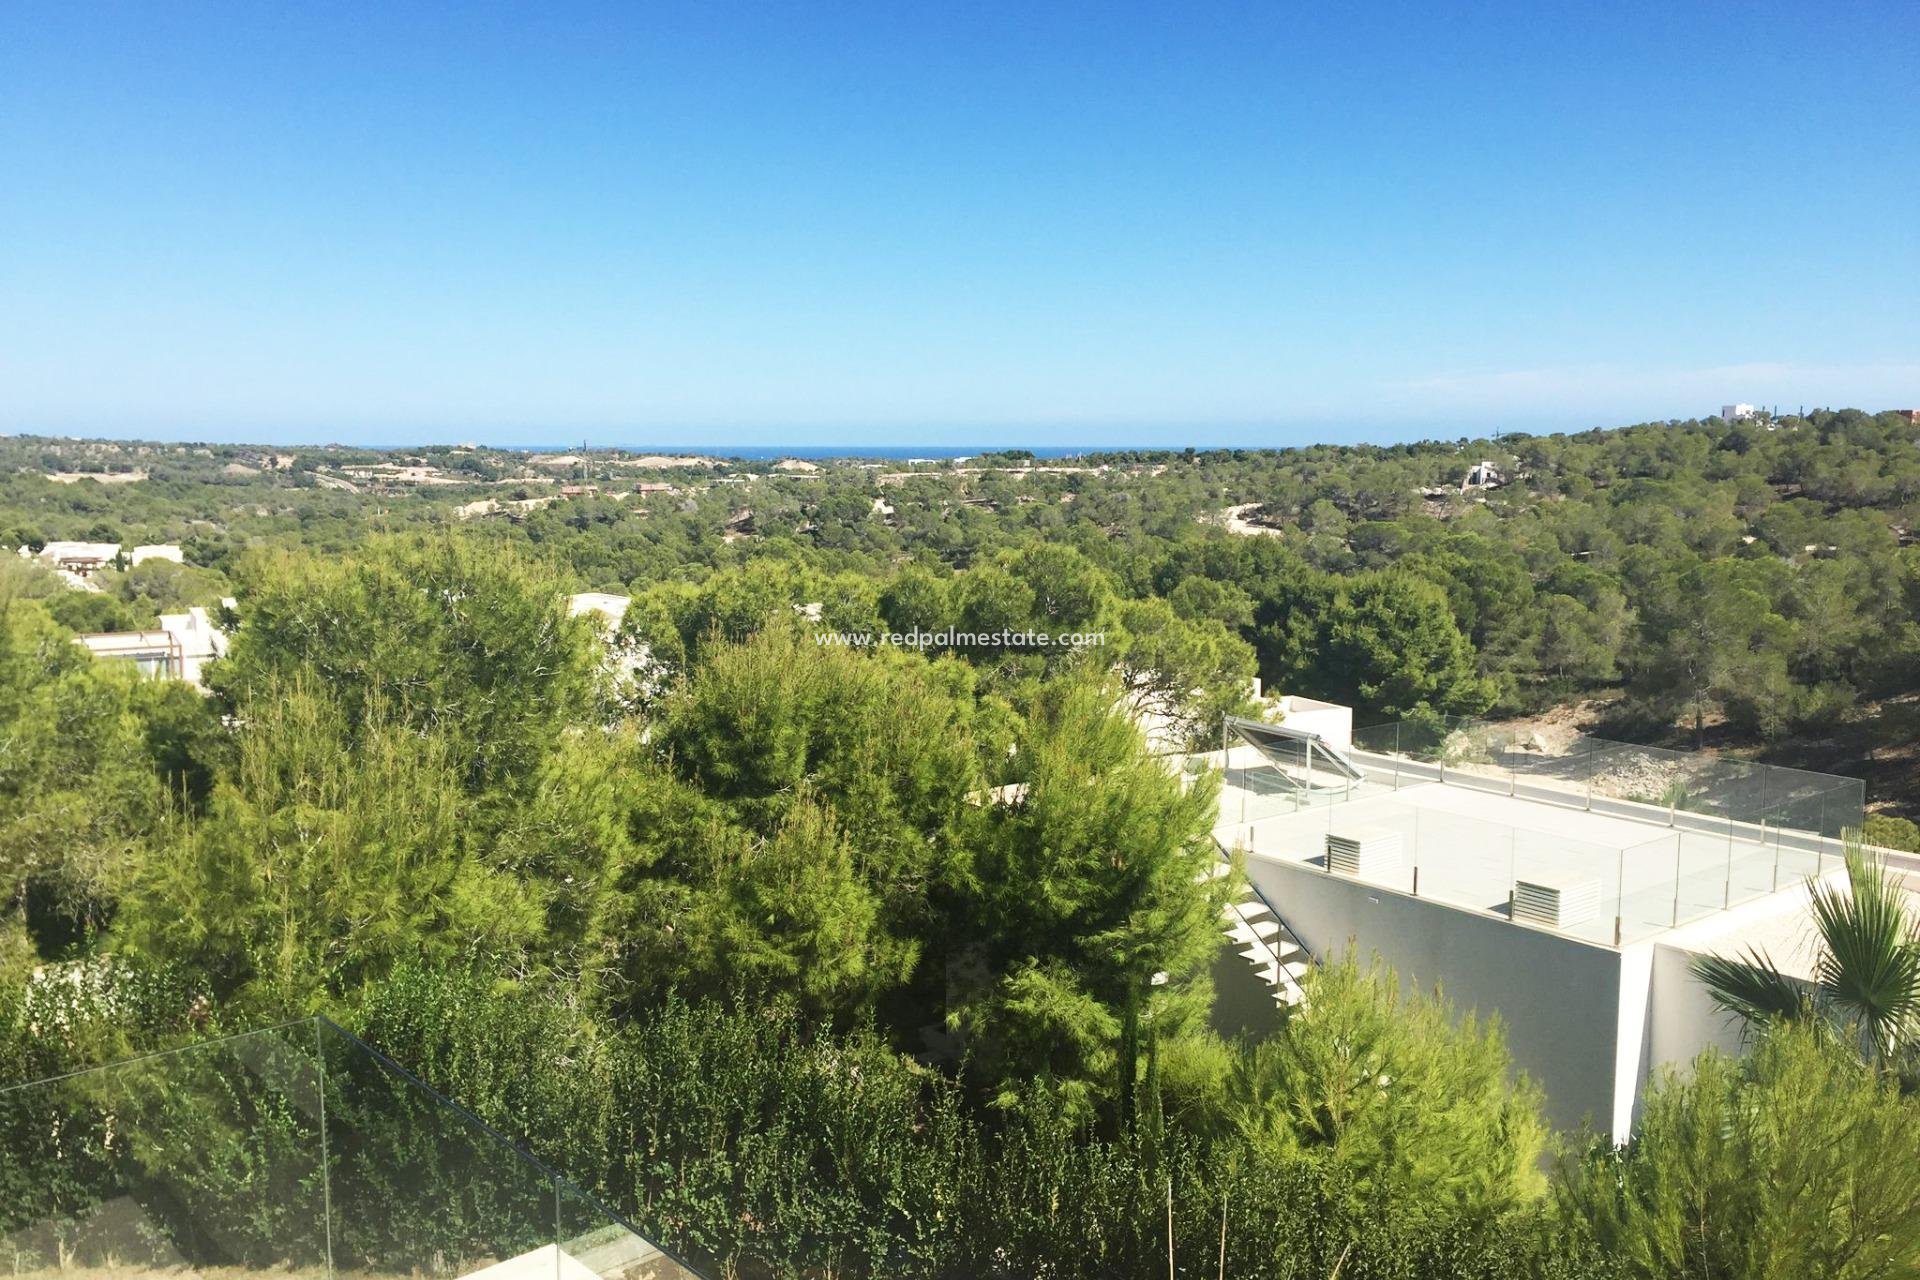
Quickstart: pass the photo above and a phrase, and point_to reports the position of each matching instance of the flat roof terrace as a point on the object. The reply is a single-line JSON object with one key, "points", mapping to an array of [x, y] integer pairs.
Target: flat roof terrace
{"points": [[1612, 844]]}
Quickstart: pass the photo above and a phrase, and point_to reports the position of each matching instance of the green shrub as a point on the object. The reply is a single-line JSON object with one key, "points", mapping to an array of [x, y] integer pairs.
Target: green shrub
{"points": [[758, 1143], [1892, 833], [1797, 1161]]}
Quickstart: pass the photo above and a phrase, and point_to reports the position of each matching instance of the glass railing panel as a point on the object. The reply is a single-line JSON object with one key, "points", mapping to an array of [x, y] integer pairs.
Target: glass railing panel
{"points": [[1555, 776], [1648, 883], [1460, 860], [1754, 864], [595, 1245], [1800, 847], [1628, 779], [1475, 755], [1378, 740], [204, 1160], [1836, 812], [1262, 780], [421, 1188], [1639, 778], [1600, 771], [1826, 804], [1702, 876], [1731, 790], [1300, 836]]}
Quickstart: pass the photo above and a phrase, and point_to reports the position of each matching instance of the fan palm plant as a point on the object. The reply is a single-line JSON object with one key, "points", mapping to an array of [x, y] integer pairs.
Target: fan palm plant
{"points": [[1866, 981]]}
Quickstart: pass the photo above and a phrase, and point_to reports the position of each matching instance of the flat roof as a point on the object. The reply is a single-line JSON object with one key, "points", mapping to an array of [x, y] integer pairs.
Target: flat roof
{"points": [[1469, 848]]}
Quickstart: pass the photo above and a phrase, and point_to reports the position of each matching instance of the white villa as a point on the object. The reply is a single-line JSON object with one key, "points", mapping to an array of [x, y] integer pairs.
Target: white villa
{"points": [[179, 649], [82, 559], [1566, 893]]}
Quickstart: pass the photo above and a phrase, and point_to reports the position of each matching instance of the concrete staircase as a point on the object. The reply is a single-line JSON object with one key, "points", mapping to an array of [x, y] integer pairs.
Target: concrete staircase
{"points": [[1263, 940]]}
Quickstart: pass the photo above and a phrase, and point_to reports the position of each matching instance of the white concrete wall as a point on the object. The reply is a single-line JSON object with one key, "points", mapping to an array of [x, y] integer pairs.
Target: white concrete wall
{"points": [[1633, 1037], [1685, 1019], [1561, 1000], [1330, 721]]}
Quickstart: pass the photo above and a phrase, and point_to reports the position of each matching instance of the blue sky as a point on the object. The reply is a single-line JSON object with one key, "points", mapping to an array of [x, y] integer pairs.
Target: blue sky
{"points": [[894, 223]]}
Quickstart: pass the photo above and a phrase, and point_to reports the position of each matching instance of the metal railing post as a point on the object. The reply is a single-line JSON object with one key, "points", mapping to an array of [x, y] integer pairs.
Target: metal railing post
{"points": [[1727, 889], [1619, 891], [326, 1156], [1513, 867], [1820, 857], [1776, 860], [1587, 790], [1678, 859]]}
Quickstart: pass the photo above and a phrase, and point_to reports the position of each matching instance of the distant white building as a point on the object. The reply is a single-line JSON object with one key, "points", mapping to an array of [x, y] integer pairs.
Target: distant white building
{"points": [[82, 558], [628, 661], [1482, 475], [200, 639], [610, 608], [157, 551], [1737, 412], [155, 653], [179, 649]]}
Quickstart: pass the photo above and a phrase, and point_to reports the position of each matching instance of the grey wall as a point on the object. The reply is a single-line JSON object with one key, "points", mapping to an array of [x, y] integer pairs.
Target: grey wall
{"points": [[1242, 1003], [1560, 999]]}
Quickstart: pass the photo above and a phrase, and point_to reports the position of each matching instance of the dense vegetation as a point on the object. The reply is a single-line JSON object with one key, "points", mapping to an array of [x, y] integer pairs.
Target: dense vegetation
{"points": [[1736, 583], [825, 959]]}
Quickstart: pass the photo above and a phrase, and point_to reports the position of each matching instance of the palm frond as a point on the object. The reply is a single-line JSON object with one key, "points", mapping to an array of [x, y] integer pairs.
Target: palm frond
{"points": [[1870, 967], [1751, 987]]}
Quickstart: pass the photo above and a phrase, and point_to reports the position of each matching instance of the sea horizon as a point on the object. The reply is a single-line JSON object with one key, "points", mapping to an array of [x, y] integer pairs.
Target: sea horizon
{"points": [[766, 452]]}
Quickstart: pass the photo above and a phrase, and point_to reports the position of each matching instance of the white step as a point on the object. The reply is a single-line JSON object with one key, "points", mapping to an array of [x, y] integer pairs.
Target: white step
{"points": [[1261, 939]]}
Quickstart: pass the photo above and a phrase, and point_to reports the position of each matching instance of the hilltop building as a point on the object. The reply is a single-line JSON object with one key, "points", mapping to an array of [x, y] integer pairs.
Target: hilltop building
{"points": [[83, 559], [1482, 475]]}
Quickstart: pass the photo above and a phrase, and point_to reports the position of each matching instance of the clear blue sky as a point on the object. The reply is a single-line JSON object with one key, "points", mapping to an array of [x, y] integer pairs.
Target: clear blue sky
{"points": [[960, 223]]}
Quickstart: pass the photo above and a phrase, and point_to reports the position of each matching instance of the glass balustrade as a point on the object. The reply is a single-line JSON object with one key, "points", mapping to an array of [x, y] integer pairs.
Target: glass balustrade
{"points": [[1475, 816]]}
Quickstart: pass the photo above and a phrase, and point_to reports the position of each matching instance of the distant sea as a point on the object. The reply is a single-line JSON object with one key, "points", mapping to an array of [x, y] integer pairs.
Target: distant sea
{"points": [[762, 452]]}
